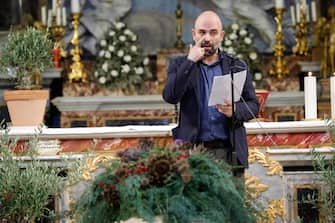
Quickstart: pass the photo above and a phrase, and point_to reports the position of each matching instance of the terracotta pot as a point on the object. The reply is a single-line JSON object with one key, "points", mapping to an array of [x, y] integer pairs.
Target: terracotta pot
{"points": [[261, 95], [26, 107]]}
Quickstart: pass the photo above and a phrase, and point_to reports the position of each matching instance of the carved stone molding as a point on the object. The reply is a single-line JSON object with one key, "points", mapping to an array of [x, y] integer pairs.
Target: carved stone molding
{"points": [[274, 167], [254, 186]]}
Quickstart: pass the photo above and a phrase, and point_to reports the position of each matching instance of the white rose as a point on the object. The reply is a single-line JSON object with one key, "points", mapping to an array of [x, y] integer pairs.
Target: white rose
{"points": [[125, 68], [243, 32], [96, 74], [102, 80], [114, 73], [239, 56], [122, 38], [127, 58], [111, 48], [120, 53], [119, 25], [253, 55], [127, 32], [107, 55], [101, 53], [111, 33], [103, 42], [146, 61], [231, 51], [139, 70], [134, 38], [247, 40], [105, 67], [133, 48], [232, 36], [235, 26], [227, 42], [258, 76]]}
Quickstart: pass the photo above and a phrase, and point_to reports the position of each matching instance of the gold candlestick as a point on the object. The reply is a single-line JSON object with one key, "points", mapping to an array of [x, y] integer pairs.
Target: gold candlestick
{"points": [[279, 65], [301, 47], [179, 16], [57, 34], [77, 68]]}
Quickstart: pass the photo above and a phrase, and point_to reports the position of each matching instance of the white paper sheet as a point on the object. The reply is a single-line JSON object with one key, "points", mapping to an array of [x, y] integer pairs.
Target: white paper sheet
{"points": [[221, 88]]}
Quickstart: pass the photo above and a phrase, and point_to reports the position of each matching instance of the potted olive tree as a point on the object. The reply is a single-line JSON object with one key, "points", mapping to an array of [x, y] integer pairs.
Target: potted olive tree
{"points": [[26, 53]]}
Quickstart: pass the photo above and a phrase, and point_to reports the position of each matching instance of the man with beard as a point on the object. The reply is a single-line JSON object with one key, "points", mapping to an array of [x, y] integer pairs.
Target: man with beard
{"points": [[189, 83]]}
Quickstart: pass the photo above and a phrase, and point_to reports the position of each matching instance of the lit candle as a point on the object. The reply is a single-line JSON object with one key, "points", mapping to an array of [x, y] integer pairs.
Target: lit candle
{"points": [[292, 14], [313, 9], [310, 96], [44, 15], [332, 95], [75, 6], [64, 16], [279, 4], [58, 16], [297, 7]]}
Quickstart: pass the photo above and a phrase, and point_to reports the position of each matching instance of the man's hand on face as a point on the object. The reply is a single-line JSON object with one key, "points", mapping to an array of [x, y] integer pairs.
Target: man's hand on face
{"points": [[196, 52]]}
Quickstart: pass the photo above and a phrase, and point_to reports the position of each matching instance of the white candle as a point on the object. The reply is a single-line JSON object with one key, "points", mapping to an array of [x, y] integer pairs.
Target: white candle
{"points": [[64, 16], [332, 96], [313, 9], [54, 4], [58, 16], [297, 7], [307, 14], [292, 9], [310, 97], [75, 6], [44, 15], [49, 23], [279, 4], [304, 3]]}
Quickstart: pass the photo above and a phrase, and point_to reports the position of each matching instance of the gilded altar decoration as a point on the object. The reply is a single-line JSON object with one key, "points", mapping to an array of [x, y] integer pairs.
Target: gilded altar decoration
{"points": [[274, 167], [254, 186], [121, 64], [78, 72], [279, 64], [179, 27], [301, 47], [93, 163], [276, 208]]}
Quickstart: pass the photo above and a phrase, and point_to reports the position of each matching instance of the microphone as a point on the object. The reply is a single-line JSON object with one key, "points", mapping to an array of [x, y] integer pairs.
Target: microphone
{"points": [[233, 65]]}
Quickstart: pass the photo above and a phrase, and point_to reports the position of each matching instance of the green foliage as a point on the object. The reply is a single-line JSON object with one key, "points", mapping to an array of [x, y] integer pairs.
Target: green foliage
{"points": [[178, 186], [121, 64], [325, 168], [25, 53], [25, 183]]}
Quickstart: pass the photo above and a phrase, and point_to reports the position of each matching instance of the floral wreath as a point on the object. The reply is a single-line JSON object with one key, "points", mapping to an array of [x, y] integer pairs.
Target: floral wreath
{"points": [[120, 61], [172, 183]]}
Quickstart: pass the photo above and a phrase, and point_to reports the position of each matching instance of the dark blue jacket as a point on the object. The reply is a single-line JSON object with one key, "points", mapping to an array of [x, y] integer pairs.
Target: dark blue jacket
{"points": [[183, 86]]}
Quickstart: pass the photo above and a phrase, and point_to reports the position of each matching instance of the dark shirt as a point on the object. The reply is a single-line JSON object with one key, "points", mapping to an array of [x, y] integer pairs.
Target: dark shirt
{"points": [[212, 122]]}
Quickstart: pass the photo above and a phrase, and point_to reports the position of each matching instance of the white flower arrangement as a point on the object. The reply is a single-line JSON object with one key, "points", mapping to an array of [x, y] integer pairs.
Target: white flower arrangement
{"points": [[120, 61], [238, 42]]}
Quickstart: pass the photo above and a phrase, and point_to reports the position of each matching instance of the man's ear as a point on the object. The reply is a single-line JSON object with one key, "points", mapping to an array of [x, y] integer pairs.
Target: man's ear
{"points": [[193, 34], [222, 34]]}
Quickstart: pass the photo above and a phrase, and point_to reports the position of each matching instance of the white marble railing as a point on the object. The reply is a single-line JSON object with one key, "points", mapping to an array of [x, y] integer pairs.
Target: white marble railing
{"points": [[162, 130]]}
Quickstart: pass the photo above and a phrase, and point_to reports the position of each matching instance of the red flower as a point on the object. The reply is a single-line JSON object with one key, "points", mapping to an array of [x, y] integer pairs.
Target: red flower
{"points": [[128, 173], [183, 156], [101, 184], [141, 169]]}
